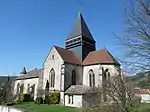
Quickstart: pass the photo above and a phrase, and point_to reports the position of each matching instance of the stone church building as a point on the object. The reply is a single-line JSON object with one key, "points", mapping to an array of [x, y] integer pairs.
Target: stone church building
{"points": [[73, 71]]}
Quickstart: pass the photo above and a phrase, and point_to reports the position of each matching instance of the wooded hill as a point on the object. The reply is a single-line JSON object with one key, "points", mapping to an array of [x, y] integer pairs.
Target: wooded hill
{"points": [[141, 80], [3, 79]]}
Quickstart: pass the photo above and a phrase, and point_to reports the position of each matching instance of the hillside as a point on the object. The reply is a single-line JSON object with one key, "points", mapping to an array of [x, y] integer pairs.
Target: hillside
{"points": [[141, 80]]}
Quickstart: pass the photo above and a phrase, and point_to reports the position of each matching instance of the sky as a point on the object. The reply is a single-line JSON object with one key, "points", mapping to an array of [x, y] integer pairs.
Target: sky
{"points": [[29, 28]]}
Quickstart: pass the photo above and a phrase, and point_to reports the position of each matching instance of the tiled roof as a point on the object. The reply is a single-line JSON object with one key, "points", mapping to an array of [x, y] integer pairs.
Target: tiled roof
{"points": [[68, 56], [80, 28], [100, 56], [141, 91], [31, 74], [79, 89]]}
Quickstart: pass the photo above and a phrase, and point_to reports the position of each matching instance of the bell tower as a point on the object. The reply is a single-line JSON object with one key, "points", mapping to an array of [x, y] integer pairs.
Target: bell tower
{"points": [[80, 40]]}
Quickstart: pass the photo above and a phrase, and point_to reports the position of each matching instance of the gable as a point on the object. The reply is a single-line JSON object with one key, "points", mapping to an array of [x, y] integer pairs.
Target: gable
{"points": [[52, 56], [68, 56]]}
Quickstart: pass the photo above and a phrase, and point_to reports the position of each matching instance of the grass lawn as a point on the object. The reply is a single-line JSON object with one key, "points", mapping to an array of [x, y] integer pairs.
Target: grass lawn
{"points": [[31, 107], [144, 107]]}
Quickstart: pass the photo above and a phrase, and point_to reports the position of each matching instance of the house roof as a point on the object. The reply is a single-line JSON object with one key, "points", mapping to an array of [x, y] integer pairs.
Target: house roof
{"points": [[31, 74], [68, 56], [141, 91], [79, 89], [100, 56], [80, 28]]}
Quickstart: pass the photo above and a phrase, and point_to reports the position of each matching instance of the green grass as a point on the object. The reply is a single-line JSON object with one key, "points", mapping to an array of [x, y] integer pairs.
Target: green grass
{"points": [[144, 107], [31, 107]]}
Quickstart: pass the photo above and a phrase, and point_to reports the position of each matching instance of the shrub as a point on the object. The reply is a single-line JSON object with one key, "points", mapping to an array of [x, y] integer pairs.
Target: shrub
{"points": [[24, 97], [54, 98], [39, 100], [47, 100]]}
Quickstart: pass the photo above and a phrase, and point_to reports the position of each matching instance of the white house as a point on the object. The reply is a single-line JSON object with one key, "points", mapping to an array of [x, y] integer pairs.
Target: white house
{"points": [[144, 94], [73, 71]]}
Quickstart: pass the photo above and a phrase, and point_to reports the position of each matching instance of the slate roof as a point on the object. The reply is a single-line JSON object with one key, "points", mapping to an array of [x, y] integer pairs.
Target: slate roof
{"points": [[100, 56], [31, 74], [79, 89], [68, 56], [23, 71], [80, 28]]}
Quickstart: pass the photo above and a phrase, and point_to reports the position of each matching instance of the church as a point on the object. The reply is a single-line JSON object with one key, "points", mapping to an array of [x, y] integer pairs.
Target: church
{"points": [[73, 71]]}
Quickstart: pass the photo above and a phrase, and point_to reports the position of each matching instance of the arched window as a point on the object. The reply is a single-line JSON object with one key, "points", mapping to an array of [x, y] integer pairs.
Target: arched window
{"points": [[52, 78], [106, 78], [32, 91], [18, 87], [28, 88], [33, 88], [91, 78], [105, 75], [21, 88], [73, 77]]}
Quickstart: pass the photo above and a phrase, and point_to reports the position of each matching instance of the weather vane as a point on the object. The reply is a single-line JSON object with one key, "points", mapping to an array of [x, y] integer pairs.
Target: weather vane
{"points": [[80, 5]]}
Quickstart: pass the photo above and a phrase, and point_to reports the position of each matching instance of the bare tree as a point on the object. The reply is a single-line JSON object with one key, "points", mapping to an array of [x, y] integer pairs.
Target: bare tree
{"points": [[136, 37], [120, 95], [117, 96], [6, 94]]}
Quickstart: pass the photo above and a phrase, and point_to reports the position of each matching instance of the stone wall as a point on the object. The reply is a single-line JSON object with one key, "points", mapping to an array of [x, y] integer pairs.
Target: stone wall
{"points": [[10, 109], [54, 61], [31, 82], [68, 75], [97, 69]]}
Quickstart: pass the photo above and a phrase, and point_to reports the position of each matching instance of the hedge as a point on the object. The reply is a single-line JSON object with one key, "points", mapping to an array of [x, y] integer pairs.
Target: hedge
{"points": [[39, 100], [25, 97], [54, 98]]}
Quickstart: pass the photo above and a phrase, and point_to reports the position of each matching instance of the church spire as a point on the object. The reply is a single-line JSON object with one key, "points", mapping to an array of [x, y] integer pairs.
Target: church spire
{"points": [[80, 29], [80, 40], [23, 71]]}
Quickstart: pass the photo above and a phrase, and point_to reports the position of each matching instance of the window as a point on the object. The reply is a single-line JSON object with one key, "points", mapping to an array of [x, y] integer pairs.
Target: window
{"points": [[62, 69], [28, 88], [70, 99], [52, 78], [52, 56], [21, 88], [109, 76], [18, 87], [73, 78], [91, 78], [106, 78]]}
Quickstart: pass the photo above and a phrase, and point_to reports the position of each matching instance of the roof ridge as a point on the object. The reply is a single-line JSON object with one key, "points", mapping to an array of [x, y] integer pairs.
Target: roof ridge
{"points": [[62, 48], [68, 55], [100, 56], [33, 70]]}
